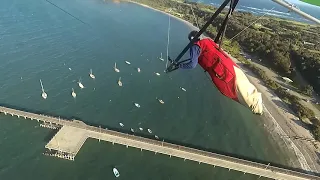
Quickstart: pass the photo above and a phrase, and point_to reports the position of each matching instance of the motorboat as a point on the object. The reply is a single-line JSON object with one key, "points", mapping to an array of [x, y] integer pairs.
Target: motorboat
{"points": [[116, 172], [43, 94]]}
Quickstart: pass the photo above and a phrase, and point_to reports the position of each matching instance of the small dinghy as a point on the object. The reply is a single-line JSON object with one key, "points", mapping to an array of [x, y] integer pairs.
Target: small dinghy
{"points": [[183, 89], [116, 172], [121, 124], [127, 62], [149, 130]]}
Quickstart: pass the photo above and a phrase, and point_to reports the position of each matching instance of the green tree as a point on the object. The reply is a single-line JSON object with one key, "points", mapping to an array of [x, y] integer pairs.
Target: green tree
{"points": [[316, 132], [308, 90]]}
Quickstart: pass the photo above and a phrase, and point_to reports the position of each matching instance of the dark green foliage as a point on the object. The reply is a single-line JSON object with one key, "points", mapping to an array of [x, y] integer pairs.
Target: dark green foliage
{"points": [[307, 90]]}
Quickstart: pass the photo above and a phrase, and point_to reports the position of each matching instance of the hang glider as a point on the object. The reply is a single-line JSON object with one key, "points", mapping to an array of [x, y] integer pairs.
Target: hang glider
{"points": [[297, 10], [313, 2]]}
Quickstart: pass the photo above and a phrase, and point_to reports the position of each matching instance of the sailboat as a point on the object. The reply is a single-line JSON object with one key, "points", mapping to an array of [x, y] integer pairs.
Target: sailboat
{"points": [[80, 84], [116, 172], [74, 95], [91, 75], [137, 105], [115, 68], [183, 89], [160, 101], [44, 94], [138, 69], [161, 57], [119, 82], [127, 62], [158, 74]]}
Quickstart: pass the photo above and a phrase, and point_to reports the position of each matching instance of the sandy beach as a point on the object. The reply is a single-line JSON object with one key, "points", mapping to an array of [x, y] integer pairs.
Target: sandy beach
{"points": [[186, 22], [280, 121]]}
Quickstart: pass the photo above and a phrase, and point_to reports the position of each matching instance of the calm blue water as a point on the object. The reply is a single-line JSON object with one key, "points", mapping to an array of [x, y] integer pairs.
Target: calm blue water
{"points": [[38, 41], [260, 7]]}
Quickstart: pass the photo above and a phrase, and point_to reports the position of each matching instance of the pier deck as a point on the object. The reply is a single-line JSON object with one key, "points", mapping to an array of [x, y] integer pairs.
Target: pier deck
{"points": [[68, 140], [74, 133]]}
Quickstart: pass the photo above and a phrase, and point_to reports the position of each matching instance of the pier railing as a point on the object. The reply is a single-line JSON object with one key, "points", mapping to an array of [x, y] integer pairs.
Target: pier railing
{"points": [[265, 170]]}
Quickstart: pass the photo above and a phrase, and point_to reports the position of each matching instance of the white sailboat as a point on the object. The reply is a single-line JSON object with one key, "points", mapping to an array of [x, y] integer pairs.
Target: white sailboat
{"points": [[138, 69], [149, 130], [183, 89], [73, 94], [127, 62], [140, 128], [91, 75], [116, 172], [158, 74], [119, 82], [44, 94], [80, 84], [161, 57], [115, 68], [160, 101], [121, 124], [137, 105]]}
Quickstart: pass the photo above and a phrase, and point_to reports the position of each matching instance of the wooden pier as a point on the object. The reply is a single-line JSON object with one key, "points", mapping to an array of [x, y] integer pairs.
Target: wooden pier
{"points": [[70, 138]]}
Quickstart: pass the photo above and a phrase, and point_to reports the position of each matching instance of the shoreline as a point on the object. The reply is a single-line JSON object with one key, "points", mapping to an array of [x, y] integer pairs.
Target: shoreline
{"points": [[280, 121], [190, 25]]}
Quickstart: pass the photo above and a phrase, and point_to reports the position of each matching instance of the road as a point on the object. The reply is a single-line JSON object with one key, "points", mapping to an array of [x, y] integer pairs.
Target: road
{"points": [[285, 123], [293, 90]]}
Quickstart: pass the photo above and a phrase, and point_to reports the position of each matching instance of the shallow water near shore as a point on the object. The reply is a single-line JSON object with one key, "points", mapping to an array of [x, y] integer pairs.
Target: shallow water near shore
{"points": [[40, 41]]}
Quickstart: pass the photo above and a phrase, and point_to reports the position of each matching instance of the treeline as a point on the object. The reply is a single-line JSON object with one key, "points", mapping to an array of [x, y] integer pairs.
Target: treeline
{"points": [[309, 66]]}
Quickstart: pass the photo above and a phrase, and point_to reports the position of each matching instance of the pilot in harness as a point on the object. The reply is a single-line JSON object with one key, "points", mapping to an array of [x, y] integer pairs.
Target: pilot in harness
{"points": [[226, 75]]}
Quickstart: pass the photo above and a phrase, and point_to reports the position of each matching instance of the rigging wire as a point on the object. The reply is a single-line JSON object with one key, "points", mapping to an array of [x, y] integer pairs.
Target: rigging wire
{"points": [[67, 12], [252, 23], [168, 42]]}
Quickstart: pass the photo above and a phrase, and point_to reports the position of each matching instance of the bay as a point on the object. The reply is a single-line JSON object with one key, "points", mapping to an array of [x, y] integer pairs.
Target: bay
{"points": [[39, 41]]}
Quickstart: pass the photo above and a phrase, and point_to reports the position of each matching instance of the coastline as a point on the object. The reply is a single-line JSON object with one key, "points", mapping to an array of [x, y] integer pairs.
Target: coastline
{"points": [[180, 19], [280, 121]]}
